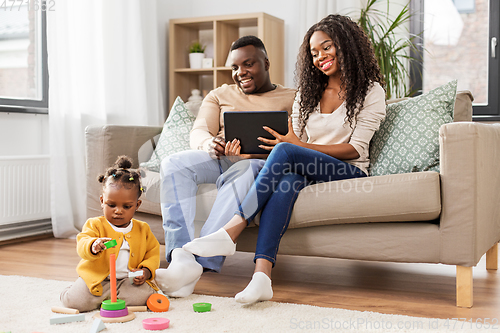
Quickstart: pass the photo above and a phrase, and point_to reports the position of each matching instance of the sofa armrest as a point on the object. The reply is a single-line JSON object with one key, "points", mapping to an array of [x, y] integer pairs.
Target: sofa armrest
{"points": [[103, 144], [470, 190]]}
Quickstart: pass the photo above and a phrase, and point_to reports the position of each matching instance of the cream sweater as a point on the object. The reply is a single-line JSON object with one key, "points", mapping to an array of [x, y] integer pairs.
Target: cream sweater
{"points": [[333, 128]]}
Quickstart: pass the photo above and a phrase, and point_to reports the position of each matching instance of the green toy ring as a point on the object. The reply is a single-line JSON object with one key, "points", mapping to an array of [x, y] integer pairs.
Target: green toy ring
{"points": [[202, 307], [111, 243], [118, 305]]}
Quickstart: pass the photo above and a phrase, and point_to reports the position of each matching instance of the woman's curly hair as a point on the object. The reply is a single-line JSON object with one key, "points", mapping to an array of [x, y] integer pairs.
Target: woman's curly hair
{"points": [[358, 67]]}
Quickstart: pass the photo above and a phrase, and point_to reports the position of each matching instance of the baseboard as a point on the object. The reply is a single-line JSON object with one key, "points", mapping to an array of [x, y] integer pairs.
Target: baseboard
{"points": [[21, 230]]}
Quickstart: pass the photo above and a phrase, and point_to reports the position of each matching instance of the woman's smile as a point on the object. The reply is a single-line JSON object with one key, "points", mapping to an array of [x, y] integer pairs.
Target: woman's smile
{"points": [[325, 65]]}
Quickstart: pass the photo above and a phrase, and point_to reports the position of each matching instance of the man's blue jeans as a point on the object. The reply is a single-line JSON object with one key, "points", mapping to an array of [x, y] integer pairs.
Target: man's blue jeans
{"points": [[288, 169], [181, 173]]}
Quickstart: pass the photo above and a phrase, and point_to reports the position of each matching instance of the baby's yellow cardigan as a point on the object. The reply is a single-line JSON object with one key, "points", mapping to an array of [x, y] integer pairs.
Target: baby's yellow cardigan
{"points": [[94, 268]]}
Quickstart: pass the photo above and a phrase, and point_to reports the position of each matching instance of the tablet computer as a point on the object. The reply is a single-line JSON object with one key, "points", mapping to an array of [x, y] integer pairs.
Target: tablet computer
{"points": [[246, 126]]}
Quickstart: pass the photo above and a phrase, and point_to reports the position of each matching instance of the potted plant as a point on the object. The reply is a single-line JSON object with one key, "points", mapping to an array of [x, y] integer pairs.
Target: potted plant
{"points": [[391, 50], [196, 54]]}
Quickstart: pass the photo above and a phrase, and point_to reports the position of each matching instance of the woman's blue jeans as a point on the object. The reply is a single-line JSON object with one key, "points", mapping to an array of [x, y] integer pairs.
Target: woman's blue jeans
{"points": [[288, 169]]}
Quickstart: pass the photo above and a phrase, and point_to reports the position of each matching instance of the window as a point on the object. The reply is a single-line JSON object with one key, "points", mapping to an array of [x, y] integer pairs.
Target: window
{"points": [[23, 56], [459, 38], [465, 6]]}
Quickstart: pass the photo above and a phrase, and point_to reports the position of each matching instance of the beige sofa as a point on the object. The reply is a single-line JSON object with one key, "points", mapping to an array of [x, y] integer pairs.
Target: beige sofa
{"points": [[451, 217]]}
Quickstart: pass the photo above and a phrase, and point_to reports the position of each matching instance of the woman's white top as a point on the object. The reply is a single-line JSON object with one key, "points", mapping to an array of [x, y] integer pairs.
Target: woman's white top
{"points": [[334, 128]]}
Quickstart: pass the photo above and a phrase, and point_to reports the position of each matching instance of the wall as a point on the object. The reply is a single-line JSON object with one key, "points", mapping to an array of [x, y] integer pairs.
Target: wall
{"points": [[24, 134], [28, 134], [170, 9], [291, 11], [287, 10]]}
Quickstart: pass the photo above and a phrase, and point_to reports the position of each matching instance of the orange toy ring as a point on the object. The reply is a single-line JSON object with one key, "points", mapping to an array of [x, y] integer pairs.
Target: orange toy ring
{"points": [[158, 303]]}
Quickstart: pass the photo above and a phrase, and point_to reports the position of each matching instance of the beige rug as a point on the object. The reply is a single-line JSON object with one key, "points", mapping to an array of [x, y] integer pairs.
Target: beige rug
{"points": [[25, 308]]}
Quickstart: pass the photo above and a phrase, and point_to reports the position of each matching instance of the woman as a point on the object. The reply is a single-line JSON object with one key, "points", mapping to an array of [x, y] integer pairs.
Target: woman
{"points": [[340, 105]]}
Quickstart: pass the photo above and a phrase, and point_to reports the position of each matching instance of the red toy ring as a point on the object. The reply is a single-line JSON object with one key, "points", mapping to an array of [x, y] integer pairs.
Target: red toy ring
{"points": [[155, 324], [158, 303]]}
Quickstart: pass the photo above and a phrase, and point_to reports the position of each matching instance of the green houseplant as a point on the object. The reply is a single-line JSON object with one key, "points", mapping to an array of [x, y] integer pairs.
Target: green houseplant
{"points": [[196, 47], [391, 50], [196, 54]]}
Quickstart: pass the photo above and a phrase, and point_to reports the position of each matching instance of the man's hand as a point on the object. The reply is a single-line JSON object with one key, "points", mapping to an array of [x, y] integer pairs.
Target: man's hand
{"points": [[233, 149], [98, 245], [290, 137], [217, 147]]}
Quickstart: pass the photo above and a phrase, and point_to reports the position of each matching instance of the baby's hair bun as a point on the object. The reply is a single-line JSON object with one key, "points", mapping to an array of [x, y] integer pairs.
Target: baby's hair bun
{"points": [[101, 178], [123, 162], [122, 173]]}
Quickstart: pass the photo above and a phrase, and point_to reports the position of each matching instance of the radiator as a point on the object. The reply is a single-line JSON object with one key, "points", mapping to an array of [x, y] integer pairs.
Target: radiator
{"points": [[24, 196]]}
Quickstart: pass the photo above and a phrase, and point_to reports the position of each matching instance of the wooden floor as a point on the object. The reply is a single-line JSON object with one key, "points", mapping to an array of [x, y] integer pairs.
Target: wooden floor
{"points": [[420, 290]]}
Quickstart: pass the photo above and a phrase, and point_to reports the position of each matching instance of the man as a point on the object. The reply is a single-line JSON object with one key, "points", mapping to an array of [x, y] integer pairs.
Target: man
{"points": [[181, 173]]}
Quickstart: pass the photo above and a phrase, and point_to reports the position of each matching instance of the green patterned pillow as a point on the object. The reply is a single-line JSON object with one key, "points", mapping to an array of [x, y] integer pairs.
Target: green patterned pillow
{"points": [[174, 136], [408, 137]]}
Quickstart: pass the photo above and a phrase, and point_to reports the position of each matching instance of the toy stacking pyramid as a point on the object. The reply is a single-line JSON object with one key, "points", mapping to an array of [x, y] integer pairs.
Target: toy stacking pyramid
{"points": [[114, 310]]}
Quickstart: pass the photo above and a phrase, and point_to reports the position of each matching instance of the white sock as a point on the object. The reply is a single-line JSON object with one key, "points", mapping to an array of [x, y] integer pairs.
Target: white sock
{"points": [[259, 289], [217, 244], [184, 291], [182, 271]]}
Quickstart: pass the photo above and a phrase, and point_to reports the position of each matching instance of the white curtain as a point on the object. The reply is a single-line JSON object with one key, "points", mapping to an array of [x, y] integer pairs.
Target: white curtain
{"points": [[312, 11], [103, 69]]}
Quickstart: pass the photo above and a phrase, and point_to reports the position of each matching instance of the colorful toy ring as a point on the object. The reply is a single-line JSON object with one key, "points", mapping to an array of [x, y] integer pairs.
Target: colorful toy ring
{"points": [[118, 305], [202, 307], [111, 243], [114, 313], [155, 324], [158, 303]]}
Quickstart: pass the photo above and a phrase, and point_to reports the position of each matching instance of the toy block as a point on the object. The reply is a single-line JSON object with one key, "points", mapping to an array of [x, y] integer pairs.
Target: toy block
{"points": [[136, 273], [66, 318], [60, 309], [132, 275], [97, 326], [138, 308]]}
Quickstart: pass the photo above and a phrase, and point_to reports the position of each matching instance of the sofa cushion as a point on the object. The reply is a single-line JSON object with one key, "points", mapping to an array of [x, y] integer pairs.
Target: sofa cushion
{"points": [[150, 181], [463, 106], [205, 197], [391, 198], [174, 136], [408, 138]]}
